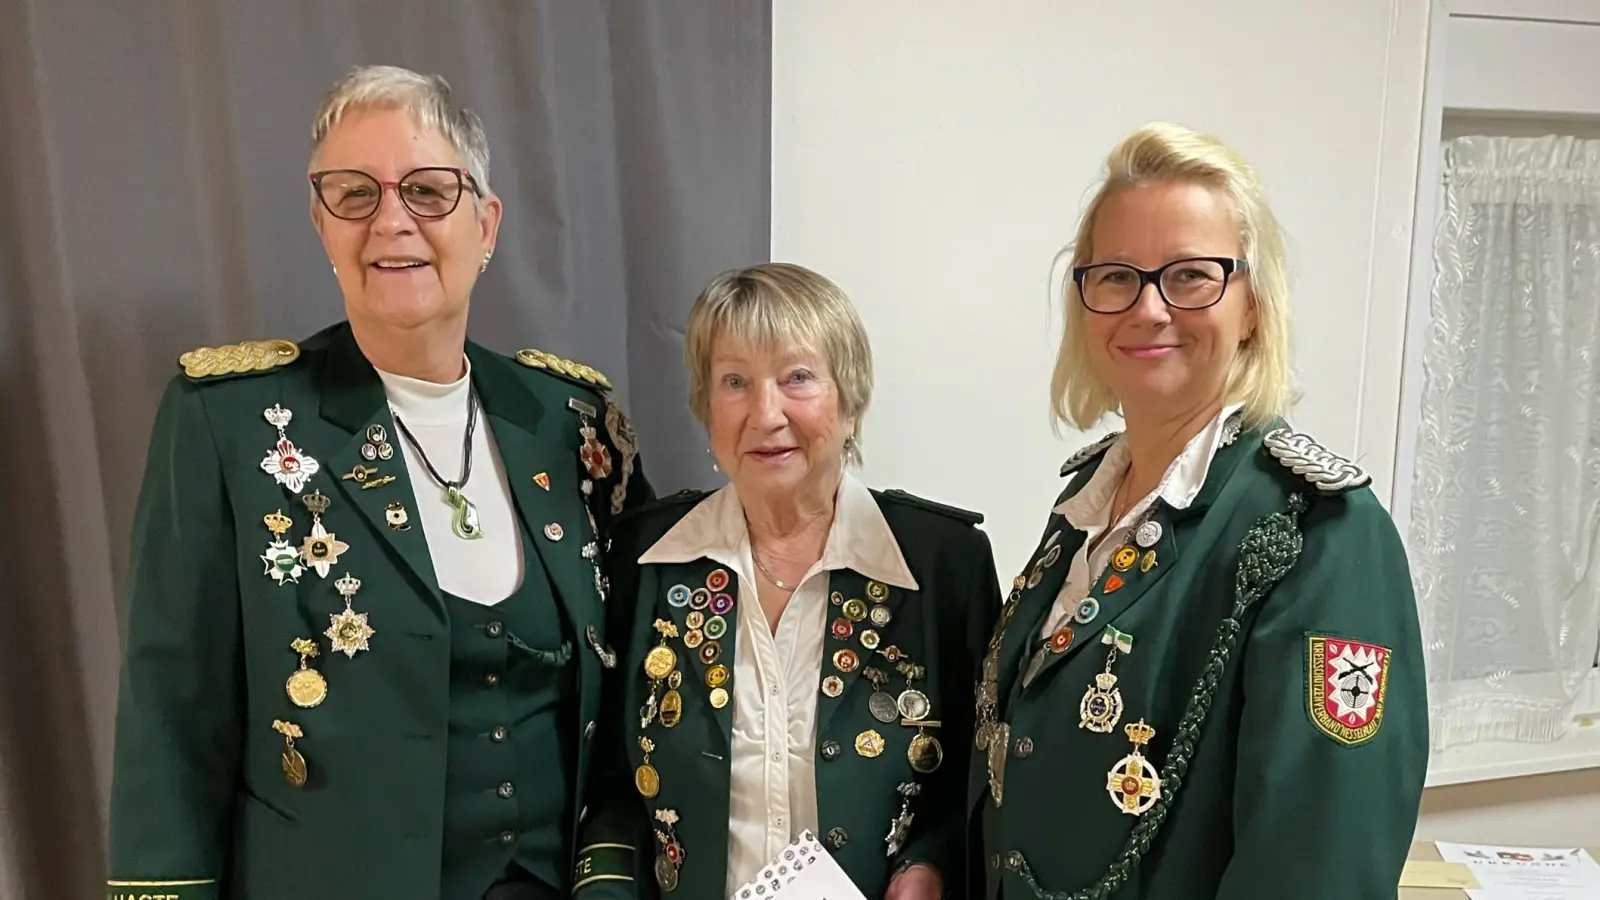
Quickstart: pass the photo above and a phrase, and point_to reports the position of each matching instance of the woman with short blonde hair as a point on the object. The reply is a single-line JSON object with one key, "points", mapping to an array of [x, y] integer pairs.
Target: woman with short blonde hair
{"points": [[797, 650], [1215, 645]]}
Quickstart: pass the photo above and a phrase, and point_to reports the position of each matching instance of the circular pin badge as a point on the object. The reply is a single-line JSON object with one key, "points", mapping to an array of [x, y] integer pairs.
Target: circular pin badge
{"points": [[717, 580], [1088, 608], [694, 619], [883, 708], [855, 610], [913, 705], [880, 616], [675, 680], [554, 531], [699, 598], [693, 638], [1062, 639], [846, 660], [385, 451], [721, 604], [660, 662], [1149, 561], [719, 698], [716, 627], [369, 452], [716, 676], [869, 743], [842, 628], [869, 639], [877, 591], [833, 685], [1124, 559], [666, 873], [1147, 534], [678, 596], [1051, 556], [1035, 576], [710, 652], [647, 780]]}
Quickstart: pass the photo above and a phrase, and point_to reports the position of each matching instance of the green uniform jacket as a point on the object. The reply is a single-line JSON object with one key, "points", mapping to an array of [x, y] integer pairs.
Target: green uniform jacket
{"points": [[627, 849], [201, 803], [1275, 653]]}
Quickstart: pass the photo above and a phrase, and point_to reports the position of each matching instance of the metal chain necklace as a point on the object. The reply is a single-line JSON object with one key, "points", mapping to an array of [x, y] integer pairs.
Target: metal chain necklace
{"points": [[757, 557], [463, 513]]}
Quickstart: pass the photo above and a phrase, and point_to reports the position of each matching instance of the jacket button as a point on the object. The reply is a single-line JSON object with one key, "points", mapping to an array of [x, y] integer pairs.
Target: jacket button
{"points": [[830, 750], [1024, 748], [1013, 860], [507, 789], [588, 730], [491, 679], [837, 837], [498, 734], [494, 629], [508, 837]]}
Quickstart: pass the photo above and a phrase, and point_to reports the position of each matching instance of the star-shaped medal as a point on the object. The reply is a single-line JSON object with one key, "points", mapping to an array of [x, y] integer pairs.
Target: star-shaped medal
{"points": [[349, 632], [283, 563]]}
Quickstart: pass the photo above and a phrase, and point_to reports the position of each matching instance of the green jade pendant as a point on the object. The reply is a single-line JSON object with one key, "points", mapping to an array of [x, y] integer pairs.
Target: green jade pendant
{"points": [[463, 515]]}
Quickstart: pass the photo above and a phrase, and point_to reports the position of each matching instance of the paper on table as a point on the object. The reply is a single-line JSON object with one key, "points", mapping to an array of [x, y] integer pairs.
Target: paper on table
{"points": [[801, 871], [1527, 873], [1429, 873]]}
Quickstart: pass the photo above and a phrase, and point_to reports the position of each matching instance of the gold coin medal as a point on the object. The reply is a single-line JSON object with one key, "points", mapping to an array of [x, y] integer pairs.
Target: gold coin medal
{"points": [[282, 560], [1133, 783], [645, 777], [321, 548], [348, 631], [294, 765], [1101, 707], [925, 753], [671, 707], [306, 686], [659, 663]]}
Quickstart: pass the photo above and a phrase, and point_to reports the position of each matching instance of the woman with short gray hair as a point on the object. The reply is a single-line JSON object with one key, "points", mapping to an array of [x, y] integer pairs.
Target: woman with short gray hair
{"points": [[797, 651], [365, 634]]}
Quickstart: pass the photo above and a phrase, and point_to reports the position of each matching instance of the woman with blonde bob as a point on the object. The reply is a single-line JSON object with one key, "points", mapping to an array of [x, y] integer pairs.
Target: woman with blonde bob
{"points": [[797, 649], [1207, 682]]}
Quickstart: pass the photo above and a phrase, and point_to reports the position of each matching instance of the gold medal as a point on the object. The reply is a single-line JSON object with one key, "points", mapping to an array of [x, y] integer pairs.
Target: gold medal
{"points": [[1124, 559], [306, 686], [661, 660], [925, 752], [294, 765], [645, 777], [869, 743], [719, 697], [1148, 562], [671, 708]]}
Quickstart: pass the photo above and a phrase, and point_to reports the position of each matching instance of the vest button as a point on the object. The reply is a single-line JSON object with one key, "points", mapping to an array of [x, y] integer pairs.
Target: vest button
{"points": [[837, 837], [508, 837], [1024, 748], [830, 750], [507, 789], [498, 734], [494, 629], [491, 679]]}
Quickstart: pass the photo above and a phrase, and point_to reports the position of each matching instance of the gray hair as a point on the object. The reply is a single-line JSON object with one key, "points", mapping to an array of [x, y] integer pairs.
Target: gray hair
{"points": [[426, 97]]}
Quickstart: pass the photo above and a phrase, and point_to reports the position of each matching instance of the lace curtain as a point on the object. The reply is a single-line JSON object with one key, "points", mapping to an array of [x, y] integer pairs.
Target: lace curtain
{"points": [[1507, 480]]}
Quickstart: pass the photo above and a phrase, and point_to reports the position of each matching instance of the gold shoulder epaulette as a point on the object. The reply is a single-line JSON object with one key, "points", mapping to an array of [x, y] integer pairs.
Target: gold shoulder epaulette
{"points": [[243, 358], [539, 359]]}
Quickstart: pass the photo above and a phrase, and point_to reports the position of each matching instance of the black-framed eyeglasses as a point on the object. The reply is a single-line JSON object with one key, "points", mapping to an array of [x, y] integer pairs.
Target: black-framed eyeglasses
{"points": [[1194, 283], [430, 192]]}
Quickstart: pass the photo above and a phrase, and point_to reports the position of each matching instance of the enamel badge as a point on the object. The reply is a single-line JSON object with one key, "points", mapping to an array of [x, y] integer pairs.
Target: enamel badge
{"points": [[1345, 686], [285, 462]]}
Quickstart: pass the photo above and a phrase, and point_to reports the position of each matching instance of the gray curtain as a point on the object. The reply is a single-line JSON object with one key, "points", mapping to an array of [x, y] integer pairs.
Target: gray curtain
{"points": [[152, 199]]}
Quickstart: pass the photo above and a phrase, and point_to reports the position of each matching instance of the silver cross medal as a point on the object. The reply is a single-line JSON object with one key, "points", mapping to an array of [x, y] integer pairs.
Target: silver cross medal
{"points": [[900, 827]]}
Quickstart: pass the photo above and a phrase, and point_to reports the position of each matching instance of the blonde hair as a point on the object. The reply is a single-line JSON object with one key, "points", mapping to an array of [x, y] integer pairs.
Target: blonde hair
{"points": [[425, 97], [1160, 152], [778, 305]]}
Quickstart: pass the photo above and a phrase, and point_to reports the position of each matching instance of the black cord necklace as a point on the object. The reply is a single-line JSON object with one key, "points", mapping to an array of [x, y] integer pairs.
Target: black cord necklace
{"points": [[463, 513]]}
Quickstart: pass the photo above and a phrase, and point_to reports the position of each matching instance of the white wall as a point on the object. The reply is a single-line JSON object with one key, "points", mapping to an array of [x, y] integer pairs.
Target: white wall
{"points": [[932, 156]]}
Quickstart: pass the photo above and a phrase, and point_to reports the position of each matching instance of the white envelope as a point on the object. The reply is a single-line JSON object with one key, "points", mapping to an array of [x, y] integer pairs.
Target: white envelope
{"points": [[801, 871]]}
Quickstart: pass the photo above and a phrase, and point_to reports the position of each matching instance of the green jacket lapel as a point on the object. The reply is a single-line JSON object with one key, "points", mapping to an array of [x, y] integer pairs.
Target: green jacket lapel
{"points": [[853, 602], [370, 468]]}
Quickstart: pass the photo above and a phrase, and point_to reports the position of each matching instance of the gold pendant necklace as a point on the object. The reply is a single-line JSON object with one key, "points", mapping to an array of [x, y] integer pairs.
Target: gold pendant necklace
{"points": [[780, 585]]}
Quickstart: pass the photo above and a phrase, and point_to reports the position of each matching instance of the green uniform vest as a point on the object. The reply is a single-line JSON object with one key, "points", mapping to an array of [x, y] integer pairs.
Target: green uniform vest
{"points": [[511, 748]]}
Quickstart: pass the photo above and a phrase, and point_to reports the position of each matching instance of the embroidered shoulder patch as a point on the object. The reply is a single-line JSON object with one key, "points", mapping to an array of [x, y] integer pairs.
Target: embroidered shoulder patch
{"points": [[244, 358], [1081, 458], [1346, 683], [1327, 470], [539, 359]]}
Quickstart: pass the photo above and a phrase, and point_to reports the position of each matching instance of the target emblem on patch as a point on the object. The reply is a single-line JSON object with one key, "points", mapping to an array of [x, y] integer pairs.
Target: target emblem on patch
{"points": [[1346, 682]]}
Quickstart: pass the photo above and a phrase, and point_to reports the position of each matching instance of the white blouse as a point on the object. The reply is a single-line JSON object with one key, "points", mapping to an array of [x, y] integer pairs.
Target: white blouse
{"points": [[1088, 509], [772, 773]]}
